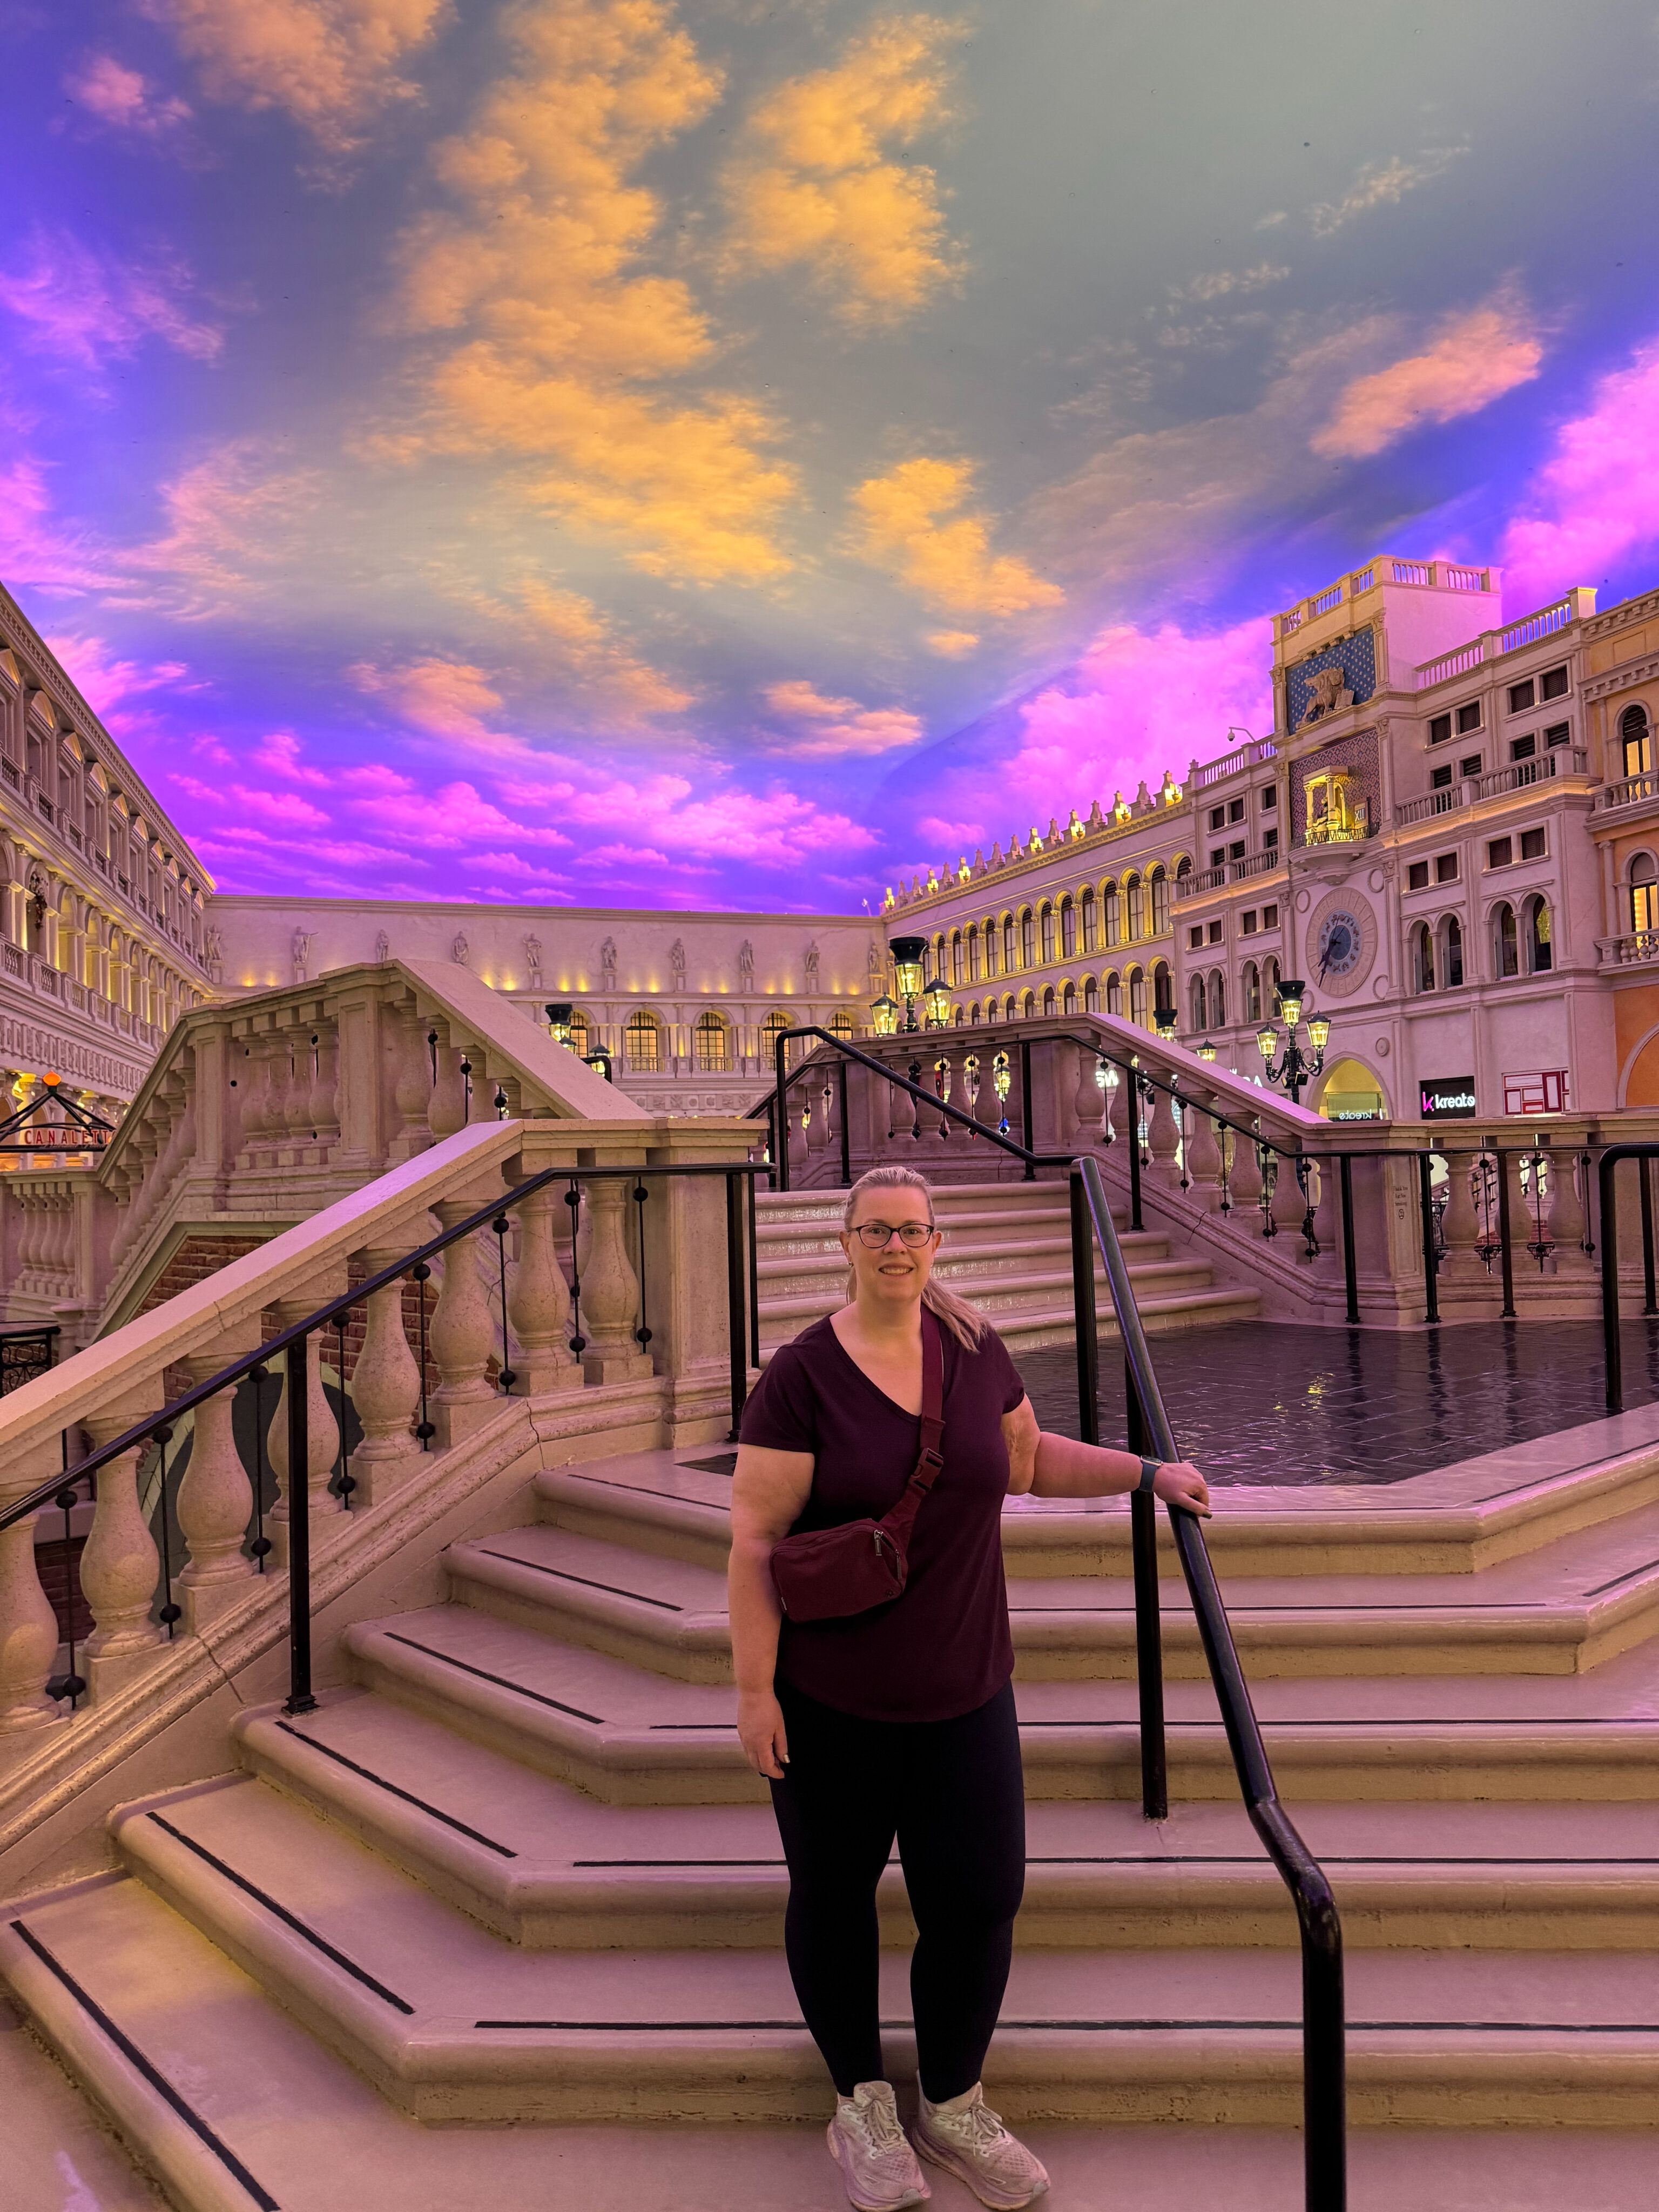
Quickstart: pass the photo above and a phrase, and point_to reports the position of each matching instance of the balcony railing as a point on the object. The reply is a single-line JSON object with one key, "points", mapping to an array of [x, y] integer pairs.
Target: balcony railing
{"points": [[1631, 792], [1431, 803], [1258, 864], [1244, 757], [1493, 644], [1201, 880], [1639, 948], [1564, 760]]}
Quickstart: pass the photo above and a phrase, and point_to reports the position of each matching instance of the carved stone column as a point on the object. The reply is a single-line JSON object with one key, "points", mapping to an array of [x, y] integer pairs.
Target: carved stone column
{"points": [[462, 1335], [610, 1289], [28, 1626], [538, 1304], [1245, 1181], [386, 1386], [215, 1498], [121, 1566]]}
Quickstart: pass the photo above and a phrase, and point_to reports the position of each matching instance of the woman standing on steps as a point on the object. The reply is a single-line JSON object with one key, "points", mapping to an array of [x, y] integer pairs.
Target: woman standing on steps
{"points": [[897, 1720]]}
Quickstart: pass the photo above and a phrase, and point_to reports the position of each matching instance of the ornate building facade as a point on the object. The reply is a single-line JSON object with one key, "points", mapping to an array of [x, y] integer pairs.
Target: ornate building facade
{"points": [[1451, 837], [103, 929]]}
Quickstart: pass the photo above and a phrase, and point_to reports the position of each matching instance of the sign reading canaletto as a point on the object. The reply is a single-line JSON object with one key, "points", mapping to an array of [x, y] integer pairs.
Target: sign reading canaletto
{"points": [[1448, 1098]]}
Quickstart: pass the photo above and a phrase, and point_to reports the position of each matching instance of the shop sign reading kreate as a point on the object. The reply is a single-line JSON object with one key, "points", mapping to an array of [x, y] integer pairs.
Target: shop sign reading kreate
{"points": [[1450, 1098]]}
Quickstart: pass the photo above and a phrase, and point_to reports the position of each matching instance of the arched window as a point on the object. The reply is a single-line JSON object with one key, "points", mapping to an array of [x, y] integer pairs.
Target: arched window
{"points": [[1644, 893], [1636, 735], [1217, 1001], [1201, 1005], [771, 1029], [1110, 916], [1422, 957], [1134, 900], [1451, 952], [840, 1023], [1114, 996], [1183, 868], [958, 1017], [1541, 953], [1009, 958], [644, 1044], [1090, 995], [1027, 1006], [1090, 920], [1047, 933], [1138, 998], [973, 1012], [1068, 929], [1048, 1002], [1163, 988], [1068, 1001], [1008, 1007], [957, 971], [1027, 941], [1160, 902], [1251, 980], [1270, 987], [972, 953], [579, 1034], [1506, 942], [711, 1049], [991, 948], [939, 956]]}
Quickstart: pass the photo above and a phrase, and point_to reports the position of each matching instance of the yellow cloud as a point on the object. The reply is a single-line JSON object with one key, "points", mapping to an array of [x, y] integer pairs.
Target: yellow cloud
{"points": [[900, 527], [951, 644], [837, 729], [1477, 358], [580, 643], [817, 184], [328, 64], [534, 284]]}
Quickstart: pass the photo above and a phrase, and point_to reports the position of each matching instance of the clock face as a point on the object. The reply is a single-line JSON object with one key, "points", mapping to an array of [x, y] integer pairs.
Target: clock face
{"points": [[1341, 945]]}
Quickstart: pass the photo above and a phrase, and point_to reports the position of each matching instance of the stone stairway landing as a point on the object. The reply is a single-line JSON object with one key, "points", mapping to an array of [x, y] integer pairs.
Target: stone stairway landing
{"points": [[1007, 1250]]}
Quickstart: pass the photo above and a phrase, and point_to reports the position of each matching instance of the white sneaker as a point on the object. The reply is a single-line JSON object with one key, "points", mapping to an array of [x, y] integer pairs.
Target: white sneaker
{"points": [[968, 2139], [870, 2147]]}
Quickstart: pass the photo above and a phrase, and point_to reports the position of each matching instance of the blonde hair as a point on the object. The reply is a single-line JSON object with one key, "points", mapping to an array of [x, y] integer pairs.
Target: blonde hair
{"points": [[967, 1326]]}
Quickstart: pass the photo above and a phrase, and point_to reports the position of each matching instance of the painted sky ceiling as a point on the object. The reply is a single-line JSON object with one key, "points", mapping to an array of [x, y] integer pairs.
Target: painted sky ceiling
{"points": [[602, 451]]}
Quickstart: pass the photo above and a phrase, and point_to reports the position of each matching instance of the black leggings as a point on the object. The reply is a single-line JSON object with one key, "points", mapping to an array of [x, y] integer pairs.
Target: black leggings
{"points": [[953, 1794]]}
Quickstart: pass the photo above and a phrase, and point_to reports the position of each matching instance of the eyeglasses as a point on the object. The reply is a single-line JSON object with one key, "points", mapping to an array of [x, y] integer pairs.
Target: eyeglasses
{"points": [[876, 1235]]}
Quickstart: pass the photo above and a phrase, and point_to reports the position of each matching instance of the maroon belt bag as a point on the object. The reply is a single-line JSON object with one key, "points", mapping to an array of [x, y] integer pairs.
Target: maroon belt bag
{"points": [[826, 1573]]}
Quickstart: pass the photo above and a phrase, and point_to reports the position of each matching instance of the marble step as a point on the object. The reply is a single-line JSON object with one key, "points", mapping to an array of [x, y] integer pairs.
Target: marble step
{"points": [[1564, 1611], [636, 1738], [452, 2026], [550, 1868]]}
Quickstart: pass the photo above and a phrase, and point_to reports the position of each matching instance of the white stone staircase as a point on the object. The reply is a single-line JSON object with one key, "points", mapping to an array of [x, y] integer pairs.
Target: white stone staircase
{"points": [[1007, 1250], [512, 1880]]}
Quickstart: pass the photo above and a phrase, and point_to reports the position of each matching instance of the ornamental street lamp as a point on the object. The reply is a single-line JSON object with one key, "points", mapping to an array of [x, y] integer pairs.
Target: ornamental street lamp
{"points": [[558, 1021], [1206, 1050], [1295, 1068], [884, 1013], [936, 1000], [907, 953], [1164, 1020]]}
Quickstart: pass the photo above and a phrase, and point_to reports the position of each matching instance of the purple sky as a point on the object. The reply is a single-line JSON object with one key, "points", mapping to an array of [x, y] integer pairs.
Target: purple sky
{"points": [[587, 450]]}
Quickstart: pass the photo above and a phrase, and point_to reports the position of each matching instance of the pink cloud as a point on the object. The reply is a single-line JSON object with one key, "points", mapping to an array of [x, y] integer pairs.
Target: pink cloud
{"points": [[122, 98], [36, 547], [775, 828], [1594, 502], [108, 684], [442, 698], [86, 308], [280, 753], [284, 808], [837, 729], [1474, 359]]}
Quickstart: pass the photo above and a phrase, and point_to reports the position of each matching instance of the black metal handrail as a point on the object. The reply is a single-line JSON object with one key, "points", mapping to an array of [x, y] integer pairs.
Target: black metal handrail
{"points": [[291, 1342], [1612, 1350], [1324, 2017], [776, 1108]]}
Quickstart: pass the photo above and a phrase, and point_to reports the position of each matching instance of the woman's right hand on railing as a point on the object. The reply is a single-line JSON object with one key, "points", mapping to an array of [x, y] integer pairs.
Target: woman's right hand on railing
{"points": [[1178, 1482], [760, 1732]]}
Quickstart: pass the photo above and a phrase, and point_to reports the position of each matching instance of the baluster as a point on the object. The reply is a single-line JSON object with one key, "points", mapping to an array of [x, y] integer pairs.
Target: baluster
{"points": [[1086, 1101], [446, 1110], [1566, 1214], [1244, 1182], [215, 1498], [385, 1386], [1204, 1153], [121, 1566], [463, 1333], [944, 1084], [325, 1093], [298, 1150], [319, 1429], [1460, 1224], [412, 1089], [610, 1289], [538, 1304], [251, 1078], [28, 1626], [814, 1086], [926, 1117], [1164, 1135]]}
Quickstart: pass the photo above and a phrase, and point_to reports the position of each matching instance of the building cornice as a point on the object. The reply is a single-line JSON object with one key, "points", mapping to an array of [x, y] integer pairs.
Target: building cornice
{"points": [[1620, 678]]}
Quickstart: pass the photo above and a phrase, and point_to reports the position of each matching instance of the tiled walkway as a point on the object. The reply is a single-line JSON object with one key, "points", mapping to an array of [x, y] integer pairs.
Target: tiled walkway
{"points": [[1254, 1402]]}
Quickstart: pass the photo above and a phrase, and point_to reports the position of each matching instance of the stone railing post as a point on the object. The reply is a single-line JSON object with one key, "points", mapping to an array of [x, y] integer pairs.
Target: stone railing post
{"points": [[121, 1566], [28, 1626], [321, 1435], [610, 1289], [215, 1498], [538, 1304], [463, 1333], [385, 1385]]}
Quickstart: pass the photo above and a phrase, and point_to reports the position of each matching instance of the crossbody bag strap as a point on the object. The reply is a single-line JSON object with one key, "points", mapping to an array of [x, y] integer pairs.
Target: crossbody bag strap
{"points": [[930, 1463]]}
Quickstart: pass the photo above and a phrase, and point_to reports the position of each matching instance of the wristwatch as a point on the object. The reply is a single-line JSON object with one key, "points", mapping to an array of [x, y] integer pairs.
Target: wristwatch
{"points": [[1149, 1468]]}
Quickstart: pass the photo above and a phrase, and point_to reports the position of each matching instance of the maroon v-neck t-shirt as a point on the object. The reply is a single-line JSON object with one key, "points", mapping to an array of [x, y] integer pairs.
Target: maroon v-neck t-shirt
{"points": [[944, 1647]]}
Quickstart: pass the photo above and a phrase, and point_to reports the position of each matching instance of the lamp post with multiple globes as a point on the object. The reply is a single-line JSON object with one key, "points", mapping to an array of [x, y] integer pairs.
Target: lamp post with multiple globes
{"points": [[1295, 1068]]}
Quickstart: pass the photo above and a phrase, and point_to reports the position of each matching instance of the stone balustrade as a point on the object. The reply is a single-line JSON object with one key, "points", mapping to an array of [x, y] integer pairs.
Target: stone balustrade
{"points": [[620, 1297]]}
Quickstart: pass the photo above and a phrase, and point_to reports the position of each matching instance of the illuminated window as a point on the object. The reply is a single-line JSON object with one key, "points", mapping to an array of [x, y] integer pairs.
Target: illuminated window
{"points": [[644, 1045], [714, 1054], [1637, 736], [1644, 893]]}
